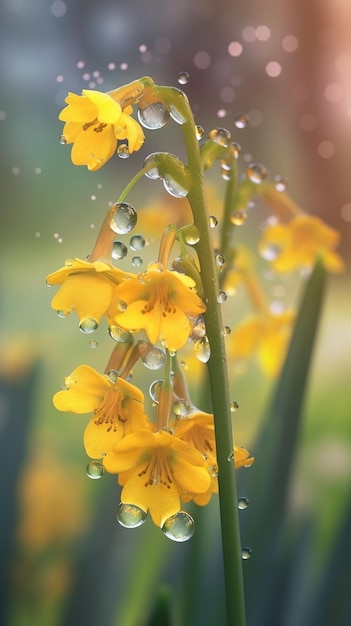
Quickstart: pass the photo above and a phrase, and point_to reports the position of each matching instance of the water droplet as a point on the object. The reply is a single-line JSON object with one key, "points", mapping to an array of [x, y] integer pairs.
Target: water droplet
{"points": [[179, 527], [123, 151], [154, 390], [198, 328], [119, 334], [222, 296], [181, 407], [130, 515], [155, 266], [112, 375], [243, 503], [137, 242], [234, 406], [153, 358], [183, 78], [226, 331], [220, 135], [88, 325], [241, 120], [238, 217], [137, 261], [199, 132], [256, 172], [213, 221], [191, 234], [122, 306], [93, 344], [62, 314], [153, 116], [119, 250], [152, 173], [236, 147], [176, 115], [279, 183], [174, 188], [202, 349], [225, 174], [167, 429], [246, 553], [213, 469], [95, 470], [220, 260], [230, 457], [62, 140], [124, 217]]}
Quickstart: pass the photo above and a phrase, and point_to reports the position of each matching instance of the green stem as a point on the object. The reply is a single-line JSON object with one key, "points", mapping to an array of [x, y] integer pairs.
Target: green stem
{"points": [[134, 180], [218, 377]]}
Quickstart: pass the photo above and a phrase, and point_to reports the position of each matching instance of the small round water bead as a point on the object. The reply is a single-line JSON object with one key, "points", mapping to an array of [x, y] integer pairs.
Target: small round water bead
{"points": [[112, 375], [179, 527], [213, 221], [130, 515], [119, 334], [137, 242], [191, 234], [62, 314], [241, 120], [246, 553], [62, 140], [154, 116], [154, 358], [202, 349], [95, 470], [153, 172], [124, 217], [220, 135], [256, 172], [88, 325], [234, 406], [220, 260], [174, 188], [279, 183], [137, 261], [199, 132], [183, 78], [123, 151], [243, 503], [222, 296], [119, 250], [181, 407], [238, 217]]}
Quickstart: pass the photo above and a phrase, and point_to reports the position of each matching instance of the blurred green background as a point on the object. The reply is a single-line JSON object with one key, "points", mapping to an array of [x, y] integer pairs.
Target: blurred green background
{"points": [[287, 65]]}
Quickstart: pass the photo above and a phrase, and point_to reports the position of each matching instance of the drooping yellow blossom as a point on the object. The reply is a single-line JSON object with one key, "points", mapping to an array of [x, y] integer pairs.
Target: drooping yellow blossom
{"points": [[94, 123], [160, 301], [298, 244], [89, 288], [155, 469], [118, 407], [263, 335], [198, 429]]}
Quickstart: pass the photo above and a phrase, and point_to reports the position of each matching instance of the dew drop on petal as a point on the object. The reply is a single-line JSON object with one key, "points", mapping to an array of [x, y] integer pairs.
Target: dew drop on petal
{"points": [[88, 325], [119, 250], [119, 334], [241, 120], [154, 390], [154, 359], [246, 553], [62, 140], [238, 217], [181, 407], [213, 469], [123, 151], [62, 314], [154, 116], [95, 470], [234, 406], [179, 527], [124, 217], [256, 172], [174, 188], [183, 78], [137, 242], [130, 515], [112, 375], [122, 306], [243, 503], [202, 349], [220, 135]]}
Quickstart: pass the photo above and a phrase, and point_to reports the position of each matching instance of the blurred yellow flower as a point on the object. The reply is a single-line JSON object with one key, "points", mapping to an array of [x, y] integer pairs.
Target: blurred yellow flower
{"points": [[94, 123], [263, 335], [118, 407], [297, 245], [155, 469], [160, 301], [87, 288]]}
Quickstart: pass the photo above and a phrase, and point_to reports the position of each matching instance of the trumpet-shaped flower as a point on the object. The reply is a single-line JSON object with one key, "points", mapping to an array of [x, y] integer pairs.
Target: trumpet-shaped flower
{"points": [[264, 335], [160, 302], [298, 244], [118, 407], [87, 288], [94, 123], [155, 469]]}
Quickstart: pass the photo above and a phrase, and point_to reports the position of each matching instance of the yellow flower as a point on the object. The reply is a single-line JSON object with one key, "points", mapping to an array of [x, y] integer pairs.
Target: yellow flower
{"points": [[118, 407], [160, 302], [264, 335], [87, 288], [94, 123], [298, 244], [155, 469]]}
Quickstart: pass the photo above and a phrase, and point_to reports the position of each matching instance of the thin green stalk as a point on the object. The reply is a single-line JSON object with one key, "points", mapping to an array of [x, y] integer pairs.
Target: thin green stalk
{"points": [[218, 375]]}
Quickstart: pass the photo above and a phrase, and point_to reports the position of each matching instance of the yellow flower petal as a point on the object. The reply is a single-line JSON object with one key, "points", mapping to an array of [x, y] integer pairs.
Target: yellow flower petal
{"points": [[108, 110], [158, 499], [86, 389]]}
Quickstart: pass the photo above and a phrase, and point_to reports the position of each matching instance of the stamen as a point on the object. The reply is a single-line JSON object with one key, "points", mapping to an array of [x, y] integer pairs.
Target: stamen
{"points": [[110, 410]]}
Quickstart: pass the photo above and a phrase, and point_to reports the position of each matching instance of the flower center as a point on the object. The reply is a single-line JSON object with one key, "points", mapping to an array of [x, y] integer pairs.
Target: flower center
{"points": [[160, 297], [111, 411], [158, 471]]}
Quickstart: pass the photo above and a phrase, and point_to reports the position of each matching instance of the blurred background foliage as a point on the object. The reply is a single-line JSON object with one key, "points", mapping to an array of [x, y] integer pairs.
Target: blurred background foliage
{"points": [[287, 65]]}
